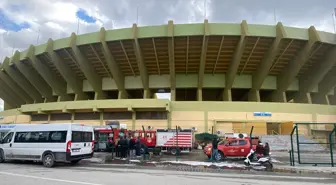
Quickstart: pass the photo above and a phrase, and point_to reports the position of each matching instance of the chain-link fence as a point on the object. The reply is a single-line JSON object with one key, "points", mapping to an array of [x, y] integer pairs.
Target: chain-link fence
{"points": [[313, 143]]}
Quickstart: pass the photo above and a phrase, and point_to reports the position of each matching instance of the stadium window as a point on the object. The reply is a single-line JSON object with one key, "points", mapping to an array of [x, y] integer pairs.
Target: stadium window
{"points": [[60, 116], [87, 116], [39, 117], [157, 115], [117, 115]]}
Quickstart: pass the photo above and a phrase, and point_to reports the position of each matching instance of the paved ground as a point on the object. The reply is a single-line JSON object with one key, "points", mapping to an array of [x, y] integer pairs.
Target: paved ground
{"points": [[34, 174]]}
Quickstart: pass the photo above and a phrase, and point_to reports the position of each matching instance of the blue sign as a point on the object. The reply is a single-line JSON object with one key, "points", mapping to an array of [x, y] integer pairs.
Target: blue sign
{"points": [[6, 127], [262, 114]]}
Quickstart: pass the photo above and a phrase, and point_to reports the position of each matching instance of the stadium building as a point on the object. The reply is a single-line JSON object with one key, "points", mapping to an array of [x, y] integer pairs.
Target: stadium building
{"points": [[220, 76]]}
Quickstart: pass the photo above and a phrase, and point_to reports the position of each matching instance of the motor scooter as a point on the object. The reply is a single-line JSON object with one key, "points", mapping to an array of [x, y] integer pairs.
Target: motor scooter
{"points": [[261, 160]]}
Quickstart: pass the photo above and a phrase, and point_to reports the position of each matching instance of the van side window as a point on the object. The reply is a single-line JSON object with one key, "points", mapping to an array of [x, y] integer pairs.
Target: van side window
{"points": [[8, 138], [81, 137], [41, 137], [58, 136]]}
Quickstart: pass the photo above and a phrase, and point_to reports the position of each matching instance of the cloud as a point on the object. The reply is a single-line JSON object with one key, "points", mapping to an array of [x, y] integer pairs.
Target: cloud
{"points": [[83, 15], [7, 23]]}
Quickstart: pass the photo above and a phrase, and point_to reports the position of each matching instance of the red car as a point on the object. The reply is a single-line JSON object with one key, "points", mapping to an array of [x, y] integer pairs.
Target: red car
{"points": [[232, 147]]}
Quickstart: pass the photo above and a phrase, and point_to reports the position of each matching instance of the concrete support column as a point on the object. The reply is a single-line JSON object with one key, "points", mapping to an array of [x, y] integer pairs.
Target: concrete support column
{"points": [[227, 95], [49, 115], [72, 117], [169, 120], [173, 95], [254, 95], [133, 120], [206, 129], [282, 98], [147, 94], [199, 95], [122, 95], [101, 118]]}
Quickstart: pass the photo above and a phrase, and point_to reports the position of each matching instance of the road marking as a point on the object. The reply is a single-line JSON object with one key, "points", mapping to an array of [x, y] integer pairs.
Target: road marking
{"points": [[49, 179], [209, 174]]}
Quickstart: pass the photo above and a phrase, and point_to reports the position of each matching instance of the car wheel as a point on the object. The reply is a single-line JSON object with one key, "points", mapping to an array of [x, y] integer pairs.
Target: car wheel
{"points": [[48, 160], [220, 156], [2, 158], [75, 161]]}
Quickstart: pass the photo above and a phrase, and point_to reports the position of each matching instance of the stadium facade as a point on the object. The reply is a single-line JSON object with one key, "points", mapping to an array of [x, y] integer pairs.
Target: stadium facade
{"points": [[221, 76]]}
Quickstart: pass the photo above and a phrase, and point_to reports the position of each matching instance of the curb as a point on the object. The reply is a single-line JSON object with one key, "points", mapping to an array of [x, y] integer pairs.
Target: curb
{"points": [[302, 171], [202, 168]]}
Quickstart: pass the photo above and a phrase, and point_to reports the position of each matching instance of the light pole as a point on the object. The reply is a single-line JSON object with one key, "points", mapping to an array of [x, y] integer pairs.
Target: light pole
{"points": [[333, 18]]}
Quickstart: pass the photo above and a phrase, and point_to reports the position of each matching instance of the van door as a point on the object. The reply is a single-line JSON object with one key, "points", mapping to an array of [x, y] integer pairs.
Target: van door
{"points": [[6, 145], [81, 140]]}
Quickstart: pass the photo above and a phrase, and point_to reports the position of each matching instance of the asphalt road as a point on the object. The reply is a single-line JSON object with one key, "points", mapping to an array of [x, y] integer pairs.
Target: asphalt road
{"points": [[34, 174]]}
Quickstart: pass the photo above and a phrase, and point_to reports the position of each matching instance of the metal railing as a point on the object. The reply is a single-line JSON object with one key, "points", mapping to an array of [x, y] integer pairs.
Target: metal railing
{"points": [[322, 152]]}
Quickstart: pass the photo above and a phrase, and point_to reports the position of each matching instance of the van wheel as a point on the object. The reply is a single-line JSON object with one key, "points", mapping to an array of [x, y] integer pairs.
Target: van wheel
{"points": [[2, 159], [75, 161], [48, 160]]}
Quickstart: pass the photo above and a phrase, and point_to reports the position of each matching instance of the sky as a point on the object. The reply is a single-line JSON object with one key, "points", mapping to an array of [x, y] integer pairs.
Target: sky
{"points": [[25, 22]]}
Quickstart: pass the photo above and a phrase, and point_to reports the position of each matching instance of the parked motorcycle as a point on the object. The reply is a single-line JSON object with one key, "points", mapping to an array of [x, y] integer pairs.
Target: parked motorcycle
{"points": [[260, 160]]}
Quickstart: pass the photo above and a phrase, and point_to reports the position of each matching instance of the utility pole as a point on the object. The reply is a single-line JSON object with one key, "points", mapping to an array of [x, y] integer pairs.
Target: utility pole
{"points": [[205, 9], [137, 15], [77, 26], [275, 18], [38, 36], [333, 19]]}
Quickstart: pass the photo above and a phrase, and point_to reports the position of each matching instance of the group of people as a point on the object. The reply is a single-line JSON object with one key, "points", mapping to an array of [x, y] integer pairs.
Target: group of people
{"points": [[126, 146]]}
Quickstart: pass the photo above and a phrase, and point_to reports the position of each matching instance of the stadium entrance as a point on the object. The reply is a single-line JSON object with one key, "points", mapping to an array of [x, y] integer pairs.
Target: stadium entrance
{"points": [[282, 128]]}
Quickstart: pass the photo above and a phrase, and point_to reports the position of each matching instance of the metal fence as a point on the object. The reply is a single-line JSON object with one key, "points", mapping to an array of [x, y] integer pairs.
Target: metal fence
{"points": [[313, 143]]}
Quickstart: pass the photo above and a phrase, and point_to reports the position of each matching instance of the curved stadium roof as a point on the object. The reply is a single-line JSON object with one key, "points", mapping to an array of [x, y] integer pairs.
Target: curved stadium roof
{"points": [[51, 69]]}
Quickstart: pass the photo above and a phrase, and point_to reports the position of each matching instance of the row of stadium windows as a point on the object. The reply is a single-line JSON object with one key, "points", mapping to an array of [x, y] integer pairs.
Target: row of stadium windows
{"points": [[150, 115]]}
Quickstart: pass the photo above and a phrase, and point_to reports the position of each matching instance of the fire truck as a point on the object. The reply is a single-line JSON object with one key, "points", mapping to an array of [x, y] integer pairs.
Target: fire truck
{"points": [[104, 135], [167, 140]]}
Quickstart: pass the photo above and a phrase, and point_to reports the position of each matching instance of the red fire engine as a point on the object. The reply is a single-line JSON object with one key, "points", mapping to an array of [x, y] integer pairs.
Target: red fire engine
{"points": [[167, 140], [105, 135]]}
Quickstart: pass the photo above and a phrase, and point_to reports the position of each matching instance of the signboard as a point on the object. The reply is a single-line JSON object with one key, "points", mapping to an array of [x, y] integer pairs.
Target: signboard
{"points": [[6, 127], [114, 124], [123, 126], [262, 114]]}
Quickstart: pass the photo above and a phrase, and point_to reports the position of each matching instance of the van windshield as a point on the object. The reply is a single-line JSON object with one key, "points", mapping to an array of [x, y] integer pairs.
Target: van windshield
{"points": [[81, 137]]}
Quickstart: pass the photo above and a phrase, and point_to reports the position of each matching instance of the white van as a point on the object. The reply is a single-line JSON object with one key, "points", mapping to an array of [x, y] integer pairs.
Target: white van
{"points": [[49, 143]]}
